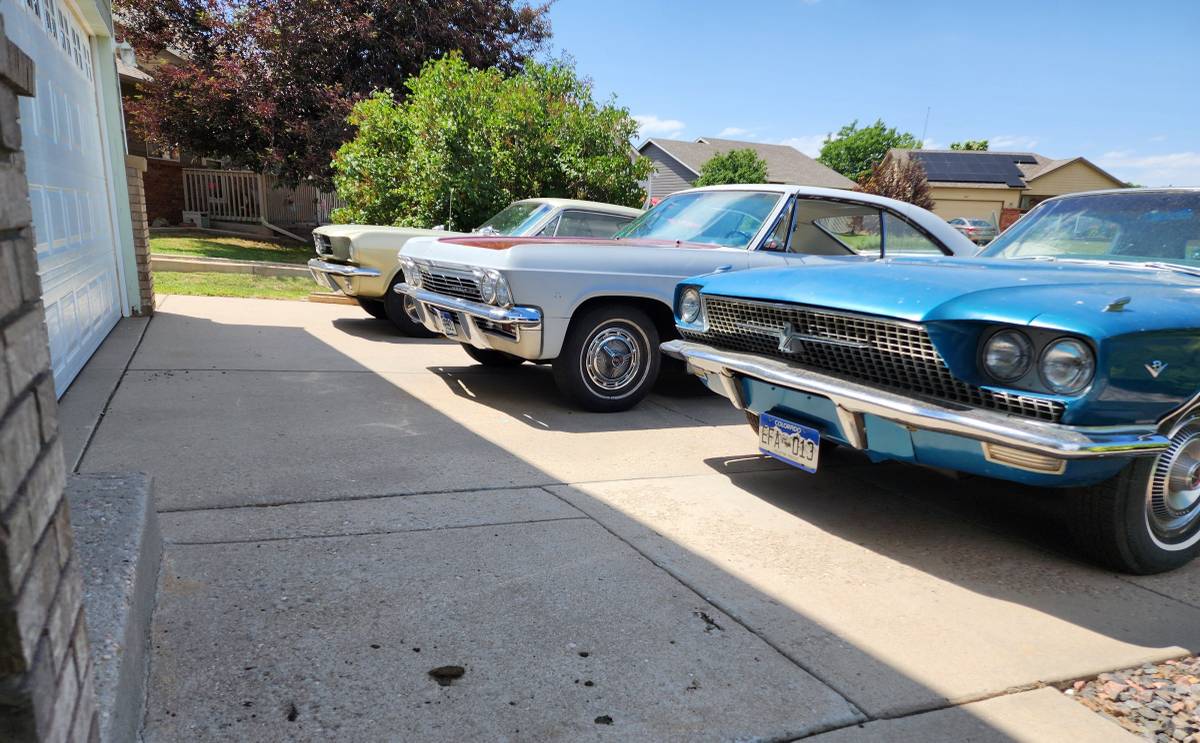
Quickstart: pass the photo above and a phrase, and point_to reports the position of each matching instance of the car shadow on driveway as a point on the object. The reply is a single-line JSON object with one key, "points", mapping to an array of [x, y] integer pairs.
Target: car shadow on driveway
{"points": [[373, 329], [528, 394]]}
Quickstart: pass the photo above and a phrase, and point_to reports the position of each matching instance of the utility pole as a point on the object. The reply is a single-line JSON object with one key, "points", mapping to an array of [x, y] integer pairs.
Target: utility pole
{"points": [[925, 128]]}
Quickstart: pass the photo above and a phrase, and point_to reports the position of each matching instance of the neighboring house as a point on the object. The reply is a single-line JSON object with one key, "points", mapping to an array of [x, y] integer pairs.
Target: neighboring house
{"points": [[75, 162], [677, 164], [1000, 186]]}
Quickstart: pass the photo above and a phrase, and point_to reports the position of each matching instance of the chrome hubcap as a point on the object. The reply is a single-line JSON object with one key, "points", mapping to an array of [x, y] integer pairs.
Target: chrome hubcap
{"points": [[410, 309], [612, 359], [1173, 497]]}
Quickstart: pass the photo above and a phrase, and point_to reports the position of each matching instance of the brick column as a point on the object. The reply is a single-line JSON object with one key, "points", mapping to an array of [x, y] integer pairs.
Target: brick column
{"points": [[134, 168], [46, 691]]}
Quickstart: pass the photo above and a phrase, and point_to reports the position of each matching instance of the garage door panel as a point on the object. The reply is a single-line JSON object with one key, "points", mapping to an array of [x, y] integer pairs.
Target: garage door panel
{"points": [[68, 183]]}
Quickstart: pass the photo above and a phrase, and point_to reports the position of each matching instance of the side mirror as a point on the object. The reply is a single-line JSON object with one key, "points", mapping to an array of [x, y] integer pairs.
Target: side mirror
{"points": [[772, 244], [438, 227]]}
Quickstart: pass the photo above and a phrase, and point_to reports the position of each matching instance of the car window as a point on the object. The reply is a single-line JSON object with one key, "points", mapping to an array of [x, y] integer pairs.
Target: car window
{"points": [[781, 232], [958, 220], [979, 223], [900, 237], [551, 228], [516, 218], [729, 218], [575, 223]]}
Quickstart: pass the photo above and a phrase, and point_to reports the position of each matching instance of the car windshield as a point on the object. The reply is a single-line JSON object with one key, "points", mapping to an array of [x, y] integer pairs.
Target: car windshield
{"points": [[515, 219], [1135, 227], [979, 223], [726, 218]]}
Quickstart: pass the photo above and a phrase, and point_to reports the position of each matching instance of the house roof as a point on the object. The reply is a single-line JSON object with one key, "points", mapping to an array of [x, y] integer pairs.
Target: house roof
{"points": [[785, 164], [989, 169]]}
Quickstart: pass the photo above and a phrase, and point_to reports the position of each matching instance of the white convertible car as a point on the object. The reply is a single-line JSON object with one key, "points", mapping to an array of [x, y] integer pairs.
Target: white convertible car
{"points": [[597, 309]]}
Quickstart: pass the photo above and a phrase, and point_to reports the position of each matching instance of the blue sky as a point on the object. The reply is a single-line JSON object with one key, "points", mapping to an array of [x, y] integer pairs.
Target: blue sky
{"points": [[1116, 82]]}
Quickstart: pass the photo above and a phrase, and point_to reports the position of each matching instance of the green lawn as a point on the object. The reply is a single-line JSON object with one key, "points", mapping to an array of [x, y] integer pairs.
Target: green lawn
{"points": [[233, 285], [208, 245]]}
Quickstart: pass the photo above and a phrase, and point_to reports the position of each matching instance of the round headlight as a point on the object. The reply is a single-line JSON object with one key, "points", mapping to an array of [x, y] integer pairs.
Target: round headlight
{"points": [[689, 305], [1008, 355], [503, 293], [487, 285], [1067, 366], [412, 276]]}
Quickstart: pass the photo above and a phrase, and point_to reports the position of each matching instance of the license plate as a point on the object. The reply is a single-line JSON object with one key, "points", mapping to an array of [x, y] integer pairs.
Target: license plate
{"points": [[789, 442], [447, 320]]}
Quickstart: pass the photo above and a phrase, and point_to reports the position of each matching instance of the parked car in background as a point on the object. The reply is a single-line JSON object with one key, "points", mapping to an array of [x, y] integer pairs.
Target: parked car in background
{"points": [[978, 231], [597, 309], [1066, 355], [360, 260]]}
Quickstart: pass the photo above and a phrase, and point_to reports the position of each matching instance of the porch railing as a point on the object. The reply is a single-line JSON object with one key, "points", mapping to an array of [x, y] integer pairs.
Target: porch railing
{"points": [[246, 196]]}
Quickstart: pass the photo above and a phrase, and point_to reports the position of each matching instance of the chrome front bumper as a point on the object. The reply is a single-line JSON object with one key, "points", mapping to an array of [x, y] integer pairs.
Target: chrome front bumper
{"points": [[323, 272], [853, 400], [515, 330]]}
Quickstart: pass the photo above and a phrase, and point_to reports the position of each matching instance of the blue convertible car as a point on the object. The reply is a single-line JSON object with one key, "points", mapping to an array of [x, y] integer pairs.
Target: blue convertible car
{"points": [[1067, 354]]}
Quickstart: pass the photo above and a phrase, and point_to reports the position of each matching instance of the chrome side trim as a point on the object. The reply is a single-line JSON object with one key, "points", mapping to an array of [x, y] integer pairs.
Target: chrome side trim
{"points": [[340, 269], [517, 315], [853, 400]]}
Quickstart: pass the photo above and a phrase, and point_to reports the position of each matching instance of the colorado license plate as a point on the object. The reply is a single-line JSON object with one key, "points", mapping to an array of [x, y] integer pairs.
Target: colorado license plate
{"points": [[447, 320], [789, 442]]}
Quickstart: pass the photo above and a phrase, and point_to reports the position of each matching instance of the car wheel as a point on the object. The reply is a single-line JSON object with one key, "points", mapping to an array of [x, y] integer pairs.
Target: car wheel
{"points": [[374, 308], [610, 359], [402, 310], [1146, 519], [489, 357]]}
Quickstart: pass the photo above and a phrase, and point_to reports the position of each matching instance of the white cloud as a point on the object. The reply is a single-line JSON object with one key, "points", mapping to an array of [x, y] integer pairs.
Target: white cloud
{"points": [[1170, 169], [734, 131], [650, 125], [809, 144], [1159, 138], [1012, 142], [929, 143]]}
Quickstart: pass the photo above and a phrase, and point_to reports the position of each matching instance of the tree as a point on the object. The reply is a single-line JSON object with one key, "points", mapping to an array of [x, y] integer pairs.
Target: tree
{"points": [[269, 84], [900, 178], [853, 151], [483, 139], [735, 166], [979, 145]]}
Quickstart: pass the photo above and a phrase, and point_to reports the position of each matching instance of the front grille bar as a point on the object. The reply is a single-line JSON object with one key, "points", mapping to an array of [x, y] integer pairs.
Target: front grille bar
{"points": [[892, 353], [453, 284]]}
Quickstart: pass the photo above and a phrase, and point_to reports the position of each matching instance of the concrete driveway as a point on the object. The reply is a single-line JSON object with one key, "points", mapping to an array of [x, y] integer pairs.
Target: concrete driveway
{"points": [[346, 510]]}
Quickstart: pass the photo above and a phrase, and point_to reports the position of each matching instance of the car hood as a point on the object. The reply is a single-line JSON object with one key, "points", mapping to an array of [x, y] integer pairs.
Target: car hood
{"points": [[1043, 293]]}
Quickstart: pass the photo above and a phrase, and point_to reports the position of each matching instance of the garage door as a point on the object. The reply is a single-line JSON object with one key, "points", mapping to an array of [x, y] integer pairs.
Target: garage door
{"points": [[951, 208], [65, 164]]}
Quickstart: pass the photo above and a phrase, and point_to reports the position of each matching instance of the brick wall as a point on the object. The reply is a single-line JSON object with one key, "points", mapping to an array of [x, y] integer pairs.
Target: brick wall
{"points": [[46, 691], [135, 167], [1008, 216], [164, 191]]}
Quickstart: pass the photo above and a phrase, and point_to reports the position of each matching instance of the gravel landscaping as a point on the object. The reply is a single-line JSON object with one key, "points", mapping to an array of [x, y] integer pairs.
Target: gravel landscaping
{"points": [[1160, 703]]}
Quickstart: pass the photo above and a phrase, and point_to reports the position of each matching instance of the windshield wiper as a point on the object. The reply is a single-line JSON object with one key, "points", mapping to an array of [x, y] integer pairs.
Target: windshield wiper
{"points": [[1175, 267]]}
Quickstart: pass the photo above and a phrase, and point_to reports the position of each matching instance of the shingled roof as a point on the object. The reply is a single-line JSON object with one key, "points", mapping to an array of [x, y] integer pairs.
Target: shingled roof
{"points": [[785, 164], [1028, 166]]}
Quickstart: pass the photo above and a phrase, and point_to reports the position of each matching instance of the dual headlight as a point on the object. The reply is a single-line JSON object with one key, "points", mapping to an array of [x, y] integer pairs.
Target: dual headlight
{"points": [[1066, 365], [493, 287], [690, 307]]}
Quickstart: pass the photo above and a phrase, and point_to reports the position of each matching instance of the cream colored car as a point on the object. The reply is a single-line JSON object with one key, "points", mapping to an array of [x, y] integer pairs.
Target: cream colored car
{"points": [[361, 260]]}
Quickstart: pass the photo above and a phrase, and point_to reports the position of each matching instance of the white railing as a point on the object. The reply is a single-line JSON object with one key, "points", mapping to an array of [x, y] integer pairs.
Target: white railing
{"points": [[246, 196]]}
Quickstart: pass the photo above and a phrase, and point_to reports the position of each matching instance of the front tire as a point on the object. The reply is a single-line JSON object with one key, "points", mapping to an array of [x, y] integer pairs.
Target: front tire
{"points": [[493, 358], [374, 308], [610, 359], [401, 309], [1146, 519]]}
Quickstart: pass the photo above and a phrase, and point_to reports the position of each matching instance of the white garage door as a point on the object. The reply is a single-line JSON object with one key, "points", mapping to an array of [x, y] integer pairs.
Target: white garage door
{"points": [[65, 164], [951, 208]]}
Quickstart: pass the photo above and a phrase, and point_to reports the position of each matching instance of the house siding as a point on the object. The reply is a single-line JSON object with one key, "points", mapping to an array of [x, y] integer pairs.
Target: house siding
{"points": [[669, 175], [1070, 178]]}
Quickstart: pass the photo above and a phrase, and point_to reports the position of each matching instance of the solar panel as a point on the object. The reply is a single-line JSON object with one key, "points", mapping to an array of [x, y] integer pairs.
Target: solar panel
{"points": [[973, 167]]}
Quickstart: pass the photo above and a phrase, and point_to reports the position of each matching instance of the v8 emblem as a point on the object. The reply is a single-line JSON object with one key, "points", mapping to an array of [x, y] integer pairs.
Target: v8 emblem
{"points": [[1155, 368]]}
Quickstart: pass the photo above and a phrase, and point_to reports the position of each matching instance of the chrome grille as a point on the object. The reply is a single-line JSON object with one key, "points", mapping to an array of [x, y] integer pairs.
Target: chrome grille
{"points": [[890, 353], [449, 282]]}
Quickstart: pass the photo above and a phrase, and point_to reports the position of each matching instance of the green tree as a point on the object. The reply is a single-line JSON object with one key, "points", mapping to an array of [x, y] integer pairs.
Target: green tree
{"points": [[979, 145], [735, 166], [483, 139], [853, 151]]}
